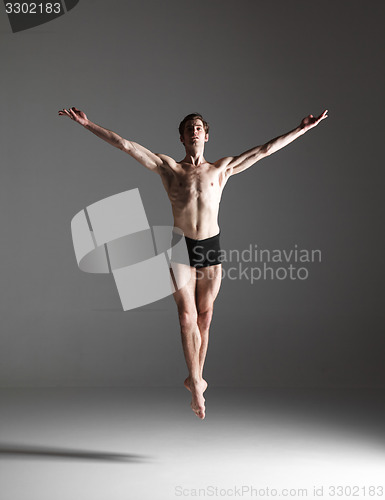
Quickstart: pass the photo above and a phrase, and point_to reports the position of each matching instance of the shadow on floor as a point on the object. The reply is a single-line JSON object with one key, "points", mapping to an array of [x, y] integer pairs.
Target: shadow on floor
{"points": [[39, 452]]}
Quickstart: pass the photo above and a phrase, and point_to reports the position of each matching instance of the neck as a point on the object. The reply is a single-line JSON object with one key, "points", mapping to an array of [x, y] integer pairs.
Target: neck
{"points": [[194, 156]]}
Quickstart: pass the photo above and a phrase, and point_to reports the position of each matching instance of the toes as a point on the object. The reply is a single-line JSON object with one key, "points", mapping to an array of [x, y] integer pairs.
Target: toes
{"points": [[199, 412]]}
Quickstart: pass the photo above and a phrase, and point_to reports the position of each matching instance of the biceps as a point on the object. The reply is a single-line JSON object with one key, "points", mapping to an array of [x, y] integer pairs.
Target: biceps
{"points": [[245, 160]]}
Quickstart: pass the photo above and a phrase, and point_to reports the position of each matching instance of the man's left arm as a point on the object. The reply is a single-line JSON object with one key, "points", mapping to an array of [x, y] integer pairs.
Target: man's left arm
{"points": [[240, 163]]}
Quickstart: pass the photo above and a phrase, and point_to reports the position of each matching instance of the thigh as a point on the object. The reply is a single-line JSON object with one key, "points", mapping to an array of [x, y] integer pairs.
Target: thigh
{"points": [[208, 283], [185, 296]]}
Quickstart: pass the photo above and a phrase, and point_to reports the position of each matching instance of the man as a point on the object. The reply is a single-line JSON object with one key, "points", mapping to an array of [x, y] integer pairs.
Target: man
{"points": [[194, 187]]}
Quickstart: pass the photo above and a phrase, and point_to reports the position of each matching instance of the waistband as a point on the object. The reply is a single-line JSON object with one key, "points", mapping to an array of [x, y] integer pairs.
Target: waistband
{"points": [[216, 236]]}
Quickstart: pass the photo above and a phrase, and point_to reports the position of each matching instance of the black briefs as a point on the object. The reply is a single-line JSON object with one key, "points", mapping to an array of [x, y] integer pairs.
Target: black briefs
{"points": [[204, 253]]}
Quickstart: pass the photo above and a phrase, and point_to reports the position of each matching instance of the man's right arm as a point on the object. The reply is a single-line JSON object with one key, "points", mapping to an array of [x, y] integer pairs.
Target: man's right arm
{"points": [[148, 159]]}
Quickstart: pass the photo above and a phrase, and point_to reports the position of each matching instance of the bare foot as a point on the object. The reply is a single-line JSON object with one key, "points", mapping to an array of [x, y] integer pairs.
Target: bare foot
{"points": [[198, 401], [186, 383]]}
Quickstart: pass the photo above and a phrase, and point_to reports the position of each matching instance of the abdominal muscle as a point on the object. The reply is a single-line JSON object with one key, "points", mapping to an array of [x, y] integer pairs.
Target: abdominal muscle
{"points": [[196, 221]]}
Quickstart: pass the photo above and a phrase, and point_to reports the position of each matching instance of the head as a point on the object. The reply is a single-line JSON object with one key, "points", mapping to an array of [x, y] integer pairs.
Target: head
{"points": [[192, 126]]}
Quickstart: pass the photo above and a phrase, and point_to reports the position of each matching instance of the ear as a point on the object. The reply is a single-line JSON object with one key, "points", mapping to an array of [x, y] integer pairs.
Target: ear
{"points": [[181, 139], [206, 137]]}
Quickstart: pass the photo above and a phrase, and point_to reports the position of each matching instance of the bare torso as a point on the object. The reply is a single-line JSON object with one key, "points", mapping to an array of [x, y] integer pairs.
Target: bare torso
{"points": [[195, 193]]}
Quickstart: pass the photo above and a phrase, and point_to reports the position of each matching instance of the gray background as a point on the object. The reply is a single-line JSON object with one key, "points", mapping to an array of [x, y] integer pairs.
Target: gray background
{"points": [[254, 69]]}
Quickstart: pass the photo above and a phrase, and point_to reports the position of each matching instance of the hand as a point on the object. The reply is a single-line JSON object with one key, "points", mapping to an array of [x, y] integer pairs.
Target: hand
{"points": [[76, 115], [312, 121]]}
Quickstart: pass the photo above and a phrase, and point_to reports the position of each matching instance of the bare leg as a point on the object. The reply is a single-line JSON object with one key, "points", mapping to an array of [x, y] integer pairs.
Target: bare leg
{"points": [[208, 282], [203, 327], [191, 341], [204, 321]]}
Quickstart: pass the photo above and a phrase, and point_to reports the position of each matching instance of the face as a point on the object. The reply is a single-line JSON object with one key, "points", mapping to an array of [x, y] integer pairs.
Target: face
{"points": [[194, 133]]}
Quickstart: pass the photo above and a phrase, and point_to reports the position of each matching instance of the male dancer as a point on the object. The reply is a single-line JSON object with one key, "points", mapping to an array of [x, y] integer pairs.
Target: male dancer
{"points": [[194, 187]]}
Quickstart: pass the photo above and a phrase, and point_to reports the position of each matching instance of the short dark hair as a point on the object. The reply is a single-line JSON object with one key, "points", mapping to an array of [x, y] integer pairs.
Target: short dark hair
{"points": [[193, 116]]}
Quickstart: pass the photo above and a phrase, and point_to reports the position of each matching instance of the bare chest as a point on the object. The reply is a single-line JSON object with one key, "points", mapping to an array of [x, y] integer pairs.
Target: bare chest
{"points": [[193, 183]]}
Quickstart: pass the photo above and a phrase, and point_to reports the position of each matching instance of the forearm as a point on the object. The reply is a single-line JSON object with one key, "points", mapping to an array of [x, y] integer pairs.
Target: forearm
{"points": [[105, 134], [240, 163], [283, 140]]}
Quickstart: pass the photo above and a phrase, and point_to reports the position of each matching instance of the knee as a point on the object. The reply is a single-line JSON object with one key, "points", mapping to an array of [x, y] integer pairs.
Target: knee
{"points": [[204, 317], [187, 319]]}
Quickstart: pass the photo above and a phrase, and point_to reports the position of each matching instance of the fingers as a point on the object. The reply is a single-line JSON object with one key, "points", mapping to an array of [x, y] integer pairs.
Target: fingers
{"points": [[323, 115], [70, 113], [311, 121], [319, 118], [64, 112]]}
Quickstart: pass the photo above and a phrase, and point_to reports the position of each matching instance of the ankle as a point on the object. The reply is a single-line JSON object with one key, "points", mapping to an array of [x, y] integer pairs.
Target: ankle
{"points": [[195, 379]]}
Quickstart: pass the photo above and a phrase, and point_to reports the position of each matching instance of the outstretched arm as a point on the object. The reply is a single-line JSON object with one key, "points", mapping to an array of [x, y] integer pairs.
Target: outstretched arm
{"points": [[240, 163], [142, 155]]}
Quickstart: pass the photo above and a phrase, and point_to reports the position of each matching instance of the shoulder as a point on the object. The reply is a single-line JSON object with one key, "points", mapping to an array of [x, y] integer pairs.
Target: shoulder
{"points": [[223, 162], [224, 165], [168, 165]]}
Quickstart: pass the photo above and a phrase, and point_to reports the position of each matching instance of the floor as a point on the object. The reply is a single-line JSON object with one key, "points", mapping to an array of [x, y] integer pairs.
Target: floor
{"points": [[122, 443]]}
